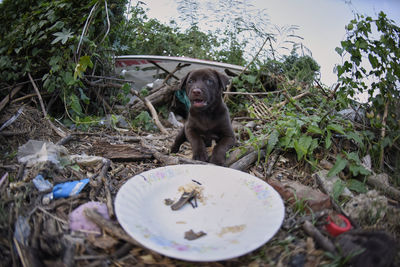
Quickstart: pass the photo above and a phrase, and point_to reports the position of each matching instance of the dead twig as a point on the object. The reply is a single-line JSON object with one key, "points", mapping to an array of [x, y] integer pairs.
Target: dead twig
{"points": [[152, 111]]}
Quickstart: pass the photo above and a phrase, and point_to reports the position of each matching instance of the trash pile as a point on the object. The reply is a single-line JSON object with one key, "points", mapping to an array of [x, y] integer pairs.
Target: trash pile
{"points": [[57, 199]]}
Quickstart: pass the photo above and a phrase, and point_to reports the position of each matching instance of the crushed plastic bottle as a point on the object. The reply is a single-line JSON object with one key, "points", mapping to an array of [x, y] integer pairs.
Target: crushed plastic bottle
{"points": [[69, 189]]}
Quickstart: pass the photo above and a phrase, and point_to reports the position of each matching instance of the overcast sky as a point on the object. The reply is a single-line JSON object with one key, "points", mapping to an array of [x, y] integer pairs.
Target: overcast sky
{"points": [[321, 22]]}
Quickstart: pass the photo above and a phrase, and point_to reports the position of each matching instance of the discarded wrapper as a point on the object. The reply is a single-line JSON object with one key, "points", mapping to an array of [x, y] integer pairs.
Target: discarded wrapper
{"points": [[41, 184], [69, 189], [79, 222]]}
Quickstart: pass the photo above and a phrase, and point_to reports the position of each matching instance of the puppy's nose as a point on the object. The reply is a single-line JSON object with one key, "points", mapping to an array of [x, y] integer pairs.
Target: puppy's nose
{"points": [[196, 92]]}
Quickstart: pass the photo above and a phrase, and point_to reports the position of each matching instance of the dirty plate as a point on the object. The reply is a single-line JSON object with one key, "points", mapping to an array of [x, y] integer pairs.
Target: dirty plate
{"points": [[237, 211]]}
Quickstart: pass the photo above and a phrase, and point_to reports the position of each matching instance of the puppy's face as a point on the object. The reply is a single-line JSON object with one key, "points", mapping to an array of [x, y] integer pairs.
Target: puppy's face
{"points": [[204, 87]]}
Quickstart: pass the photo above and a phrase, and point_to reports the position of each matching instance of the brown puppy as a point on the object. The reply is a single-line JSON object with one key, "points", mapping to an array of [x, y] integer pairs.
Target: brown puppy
{"points": [[208, 116]]}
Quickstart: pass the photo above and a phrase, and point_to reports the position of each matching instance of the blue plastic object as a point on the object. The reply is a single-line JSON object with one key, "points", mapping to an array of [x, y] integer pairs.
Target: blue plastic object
{"points": [[41, 184], [69, 189]]}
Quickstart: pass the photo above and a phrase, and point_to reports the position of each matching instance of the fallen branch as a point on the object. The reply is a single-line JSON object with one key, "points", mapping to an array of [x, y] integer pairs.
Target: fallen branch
{"points": [[245, 162], [152, 111]]}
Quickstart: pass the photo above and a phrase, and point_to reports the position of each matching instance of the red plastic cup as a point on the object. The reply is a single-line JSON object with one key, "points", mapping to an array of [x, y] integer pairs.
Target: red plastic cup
{"points": [[334, 229]]}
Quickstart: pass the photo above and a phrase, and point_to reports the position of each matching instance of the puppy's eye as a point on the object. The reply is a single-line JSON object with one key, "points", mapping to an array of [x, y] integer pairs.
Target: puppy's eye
{"points": [[190, 81], [209, 82]]}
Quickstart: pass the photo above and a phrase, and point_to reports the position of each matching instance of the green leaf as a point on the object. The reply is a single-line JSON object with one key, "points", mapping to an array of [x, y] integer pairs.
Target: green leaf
{"points": [[358, 169], [356, 137], [336, 127], [338, 188], [353, 156], [272, 141], [328, 140], [75, 105], [301, 146], [81, 67], [339, 50], [373, 60], [314, 129], [62, 36], [68, 78], [340, 164], [126, 88], [356, 186], [84, 97]]}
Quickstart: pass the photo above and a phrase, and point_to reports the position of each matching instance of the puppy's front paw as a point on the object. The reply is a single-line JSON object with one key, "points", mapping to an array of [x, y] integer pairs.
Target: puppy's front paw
{"points": [[174, 148], [217, 160], [200, 156]]}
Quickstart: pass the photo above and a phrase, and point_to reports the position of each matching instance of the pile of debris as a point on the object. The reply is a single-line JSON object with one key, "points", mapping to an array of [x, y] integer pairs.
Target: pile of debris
{"points": [[57, 196]]}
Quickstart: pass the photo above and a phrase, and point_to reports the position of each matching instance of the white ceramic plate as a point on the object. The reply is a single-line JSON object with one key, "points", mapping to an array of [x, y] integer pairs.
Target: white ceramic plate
{"points": [[238, 212]]}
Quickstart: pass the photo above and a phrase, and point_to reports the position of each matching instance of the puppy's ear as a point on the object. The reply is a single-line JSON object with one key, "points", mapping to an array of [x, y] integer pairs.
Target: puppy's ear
{"points": [[223, 80]]}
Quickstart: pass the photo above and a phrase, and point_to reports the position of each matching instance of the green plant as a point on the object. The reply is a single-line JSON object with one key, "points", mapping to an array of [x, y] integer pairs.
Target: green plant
{"points": [[300, 205], [341, 260], [144, 120], [373, 69]]}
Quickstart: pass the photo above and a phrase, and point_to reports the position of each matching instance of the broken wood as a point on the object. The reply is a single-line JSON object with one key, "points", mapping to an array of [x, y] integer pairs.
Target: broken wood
{"points": [[245, 162], [124, 152]]}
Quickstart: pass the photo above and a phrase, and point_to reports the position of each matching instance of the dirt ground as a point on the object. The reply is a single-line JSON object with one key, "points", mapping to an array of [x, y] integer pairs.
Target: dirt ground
{"points": [[50, 242]]}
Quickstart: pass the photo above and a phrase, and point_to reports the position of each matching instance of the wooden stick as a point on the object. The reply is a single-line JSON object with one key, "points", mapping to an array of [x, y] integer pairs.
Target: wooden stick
{"points": [[245, 162], [152, 111], [38, 94]]}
